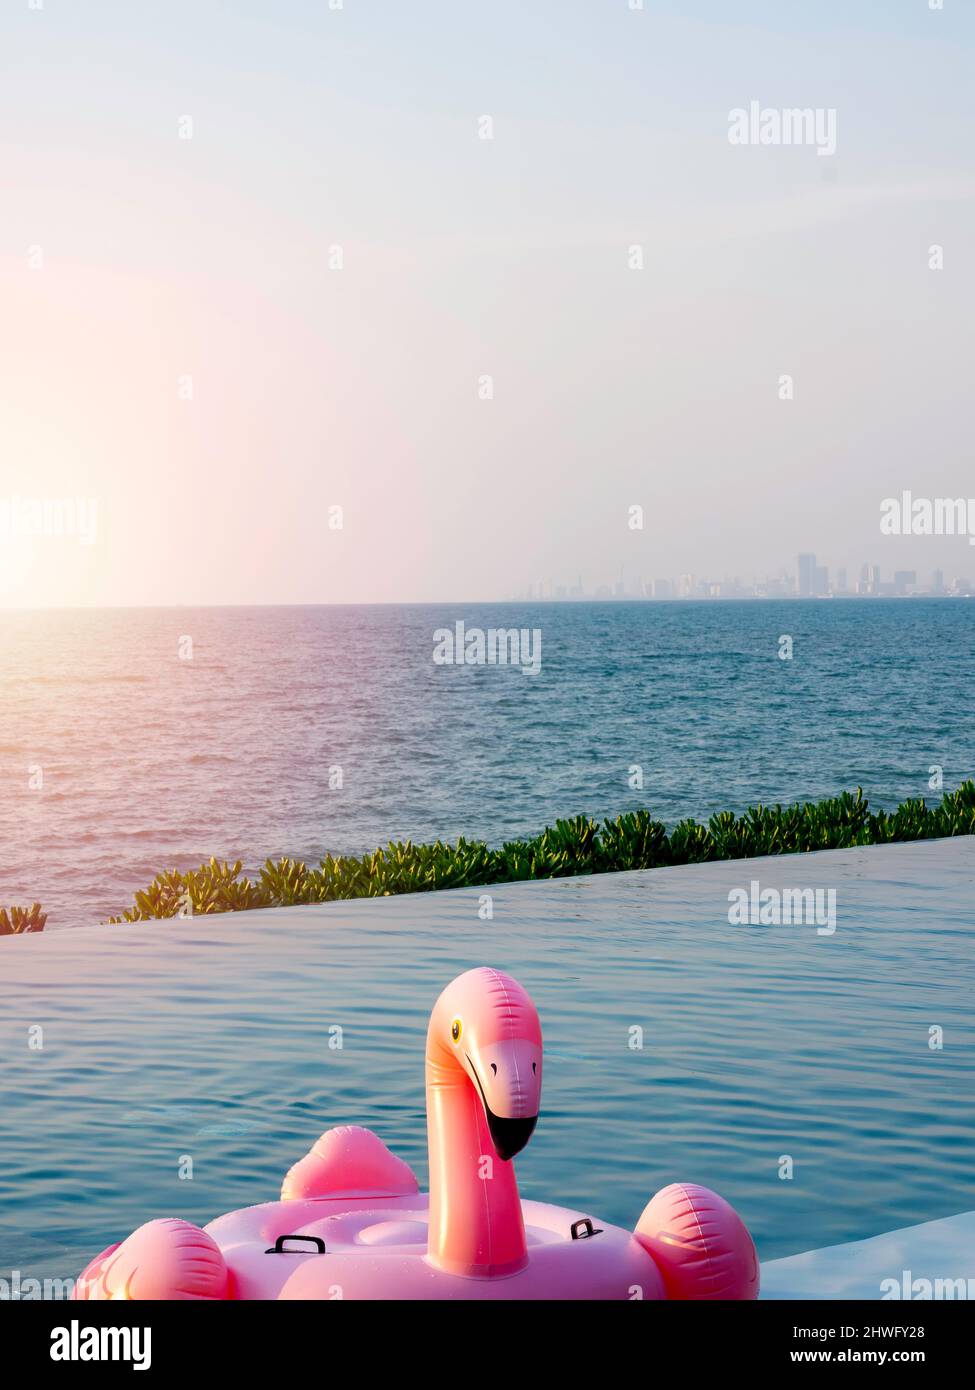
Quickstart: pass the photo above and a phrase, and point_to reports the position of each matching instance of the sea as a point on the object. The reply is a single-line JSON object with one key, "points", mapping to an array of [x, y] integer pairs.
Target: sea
{"points": [[138, 740]]}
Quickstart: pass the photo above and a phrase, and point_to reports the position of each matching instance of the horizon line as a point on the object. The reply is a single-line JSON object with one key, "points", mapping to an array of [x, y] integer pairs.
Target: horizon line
{"points": [[611, 601]]}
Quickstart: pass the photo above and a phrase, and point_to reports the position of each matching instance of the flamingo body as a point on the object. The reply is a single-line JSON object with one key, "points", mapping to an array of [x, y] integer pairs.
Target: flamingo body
{"points": [[378, 1250], [352, 1223]]}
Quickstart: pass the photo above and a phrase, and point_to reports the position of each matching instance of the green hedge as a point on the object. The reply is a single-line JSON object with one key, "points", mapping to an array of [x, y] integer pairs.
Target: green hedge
{"points": [[577, 846]]}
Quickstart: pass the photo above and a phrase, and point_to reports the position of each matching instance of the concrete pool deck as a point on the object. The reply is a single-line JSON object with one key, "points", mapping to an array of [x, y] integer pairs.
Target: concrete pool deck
{"points": [[935, 1260], [209, 1037]]}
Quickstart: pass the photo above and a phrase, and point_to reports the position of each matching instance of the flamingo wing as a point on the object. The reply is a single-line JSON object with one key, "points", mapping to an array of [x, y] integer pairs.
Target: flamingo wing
{"points": [[349, 1162]]}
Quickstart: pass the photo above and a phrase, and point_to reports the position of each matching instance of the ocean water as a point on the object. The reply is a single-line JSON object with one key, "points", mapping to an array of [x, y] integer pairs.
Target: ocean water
{"points": [[206, 1042], [119, 758]]}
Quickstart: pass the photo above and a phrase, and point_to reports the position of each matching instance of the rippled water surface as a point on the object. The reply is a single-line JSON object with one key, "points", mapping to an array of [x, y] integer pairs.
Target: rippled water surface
{"points": [[209, 1040], [150, 761]]}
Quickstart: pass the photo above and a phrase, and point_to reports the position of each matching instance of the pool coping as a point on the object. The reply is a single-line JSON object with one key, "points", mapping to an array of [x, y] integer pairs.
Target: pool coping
{"points": [[912, 1262], [250, 916]]}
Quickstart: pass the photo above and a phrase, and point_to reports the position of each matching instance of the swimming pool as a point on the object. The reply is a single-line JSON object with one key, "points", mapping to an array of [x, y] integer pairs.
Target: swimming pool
{"points": [[210, 1046]]}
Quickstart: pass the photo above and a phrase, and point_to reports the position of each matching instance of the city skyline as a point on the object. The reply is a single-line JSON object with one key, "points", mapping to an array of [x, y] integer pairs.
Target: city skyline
{"points": [[810, 580]]}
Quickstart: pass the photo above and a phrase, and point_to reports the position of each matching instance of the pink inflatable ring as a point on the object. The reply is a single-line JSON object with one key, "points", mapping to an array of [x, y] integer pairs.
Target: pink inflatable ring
{"points": [[352, 1223]]}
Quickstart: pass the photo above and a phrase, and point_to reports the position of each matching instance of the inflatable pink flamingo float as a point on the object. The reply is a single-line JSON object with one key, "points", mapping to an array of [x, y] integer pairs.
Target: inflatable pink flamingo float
{"points": [[351, 1222]]}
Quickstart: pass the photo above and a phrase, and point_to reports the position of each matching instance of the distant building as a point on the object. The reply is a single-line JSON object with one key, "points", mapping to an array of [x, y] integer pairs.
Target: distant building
{"points": [[869, 580], [905, 581], [805, 584]]}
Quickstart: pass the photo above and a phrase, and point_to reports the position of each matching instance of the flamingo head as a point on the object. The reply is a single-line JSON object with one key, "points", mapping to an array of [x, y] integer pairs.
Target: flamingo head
{"points": [[486, 1026]]}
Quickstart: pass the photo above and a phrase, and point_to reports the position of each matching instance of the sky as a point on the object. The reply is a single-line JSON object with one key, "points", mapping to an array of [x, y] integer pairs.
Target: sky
{"points": [[258, 263]]}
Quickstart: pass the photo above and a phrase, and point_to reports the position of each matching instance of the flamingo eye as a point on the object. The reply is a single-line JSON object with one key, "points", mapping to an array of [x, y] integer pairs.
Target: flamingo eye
{"points": [[456, 1028]]}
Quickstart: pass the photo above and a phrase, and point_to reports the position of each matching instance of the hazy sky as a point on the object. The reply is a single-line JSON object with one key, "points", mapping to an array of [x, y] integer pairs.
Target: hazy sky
{"points": [[132, 259]]}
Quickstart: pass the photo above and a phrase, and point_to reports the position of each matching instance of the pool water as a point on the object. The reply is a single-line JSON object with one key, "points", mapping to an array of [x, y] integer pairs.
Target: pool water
{"points": [[182, 1067]]}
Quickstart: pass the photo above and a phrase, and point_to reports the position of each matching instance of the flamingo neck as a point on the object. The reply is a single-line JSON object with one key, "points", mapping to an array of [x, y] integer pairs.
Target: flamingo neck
{"points": [[476, 1222]]}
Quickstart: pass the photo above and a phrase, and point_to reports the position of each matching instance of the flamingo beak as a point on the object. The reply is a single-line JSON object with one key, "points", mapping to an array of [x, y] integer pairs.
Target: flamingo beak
{"points": [[508, 1077], [509, 1137]]}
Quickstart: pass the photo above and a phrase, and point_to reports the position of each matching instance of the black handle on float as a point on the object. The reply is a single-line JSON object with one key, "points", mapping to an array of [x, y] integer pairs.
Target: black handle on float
{"points": [[587, 1229], [278, 1247]]}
